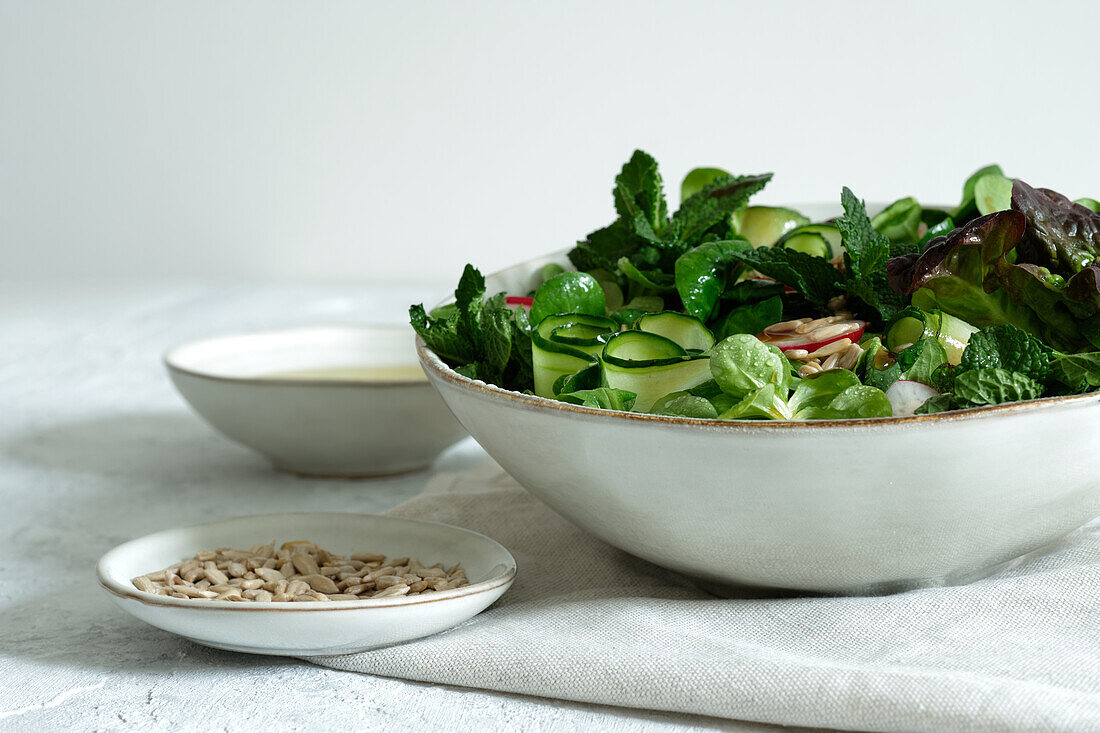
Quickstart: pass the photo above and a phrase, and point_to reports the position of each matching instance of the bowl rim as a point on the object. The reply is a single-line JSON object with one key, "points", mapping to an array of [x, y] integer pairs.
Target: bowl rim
{"points": [[433, 365], [170, 359], [111, 584]]}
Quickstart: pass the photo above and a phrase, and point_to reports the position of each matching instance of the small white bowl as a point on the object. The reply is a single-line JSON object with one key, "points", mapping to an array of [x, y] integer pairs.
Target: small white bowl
{"points": [[324, 627], [317, 427]]}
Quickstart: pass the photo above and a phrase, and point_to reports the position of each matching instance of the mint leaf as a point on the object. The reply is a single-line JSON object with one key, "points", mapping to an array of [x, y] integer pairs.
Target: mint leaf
{"points": [[443, 335], [813, 277], [866, 251], [640, 196], [713, 203], [480, 338], [865, 257], [1007, 347], [654, 279], [994, 387], [519, 371], [603, 247], [496, 343]]}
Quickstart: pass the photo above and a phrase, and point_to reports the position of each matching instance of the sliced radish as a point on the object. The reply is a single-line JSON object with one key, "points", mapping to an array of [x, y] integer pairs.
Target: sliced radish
{"points": [[517, 301], [814, 339], [906, 396]]}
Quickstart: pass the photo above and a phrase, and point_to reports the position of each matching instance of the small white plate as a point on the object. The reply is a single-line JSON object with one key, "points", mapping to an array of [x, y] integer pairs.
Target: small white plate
{"points": [[332, 627]]}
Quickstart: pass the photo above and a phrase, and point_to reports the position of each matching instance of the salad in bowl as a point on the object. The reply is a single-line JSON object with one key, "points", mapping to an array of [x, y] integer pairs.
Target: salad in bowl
{"points": [[817, 399], [732, 311]]}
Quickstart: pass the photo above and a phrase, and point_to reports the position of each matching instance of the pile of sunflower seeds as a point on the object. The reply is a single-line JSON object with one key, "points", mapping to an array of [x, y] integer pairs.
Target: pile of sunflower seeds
{"points": [[842, 353], [297, 571]]}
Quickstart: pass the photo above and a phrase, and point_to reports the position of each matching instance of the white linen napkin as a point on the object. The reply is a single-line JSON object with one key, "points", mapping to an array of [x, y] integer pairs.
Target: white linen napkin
{"points": [[1017, 651]]}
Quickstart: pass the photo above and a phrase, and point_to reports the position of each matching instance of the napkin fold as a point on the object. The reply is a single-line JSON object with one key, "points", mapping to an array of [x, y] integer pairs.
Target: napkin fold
{"points": [[1017, 651]]}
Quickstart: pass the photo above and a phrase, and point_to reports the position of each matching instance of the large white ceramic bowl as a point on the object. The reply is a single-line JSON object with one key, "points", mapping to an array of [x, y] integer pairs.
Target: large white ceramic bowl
{"points": [[837, 506], [317, 427], [334, 627]]}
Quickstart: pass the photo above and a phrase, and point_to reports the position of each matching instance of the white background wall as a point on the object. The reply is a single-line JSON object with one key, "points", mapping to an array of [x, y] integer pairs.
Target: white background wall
{"points": [[359, 141]]}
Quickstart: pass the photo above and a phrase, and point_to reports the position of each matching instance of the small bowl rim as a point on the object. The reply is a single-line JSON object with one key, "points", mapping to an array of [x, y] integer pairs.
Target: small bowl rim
{"points": [[111, 584], [170, 359]]}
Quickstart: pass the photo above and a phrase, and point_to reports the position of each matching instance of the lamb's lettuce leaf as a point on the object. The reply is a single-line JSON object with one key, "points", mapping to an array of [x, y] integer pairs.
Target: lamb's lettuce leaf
{"points": [[937, 403], [743, 363], [836, 394], [604, 398], [764, 402], [684, 404]]}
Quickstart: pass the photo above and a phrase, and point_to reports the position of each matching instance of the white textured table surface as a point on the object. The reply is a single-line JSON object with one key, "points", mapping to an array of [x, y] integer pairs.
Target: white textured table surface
{"points": [[96, 448]]}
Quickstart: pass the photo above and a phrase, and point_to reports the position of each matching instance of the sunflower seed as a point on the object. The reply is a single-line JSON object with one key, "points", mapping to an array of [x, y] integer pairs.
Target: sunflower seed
{"points": [[321, 584], [305, 564], [143, 583], [828, 332], [831, 348], [786, 326], [393, 590]]}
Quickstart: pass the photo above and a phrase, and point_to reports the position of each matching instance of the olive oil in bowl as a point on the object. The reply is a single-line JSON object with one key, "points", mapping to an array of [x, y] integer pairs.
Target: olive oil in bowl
{"points": [[397, 373]]}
